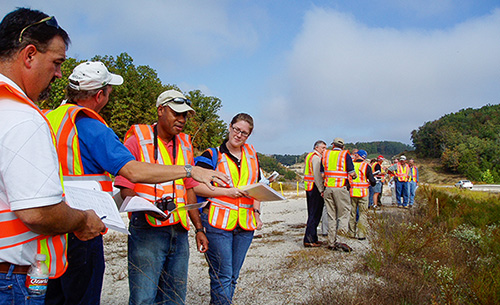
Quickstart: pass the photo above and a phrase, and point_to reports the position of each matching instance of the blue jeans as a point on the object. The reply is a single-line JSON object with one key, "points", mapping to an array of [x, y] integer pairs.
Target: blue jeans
{"points": [[82, 281], [370, 196], [413, 188], [13, 290], [402, 190], [157, 262], [225, 256]]}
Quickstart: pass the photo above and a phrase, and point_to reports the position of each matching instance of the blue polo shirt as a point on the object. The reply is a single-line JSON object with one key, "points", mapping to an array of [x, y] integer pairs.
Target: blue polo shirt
{"points": [[100, 147]]}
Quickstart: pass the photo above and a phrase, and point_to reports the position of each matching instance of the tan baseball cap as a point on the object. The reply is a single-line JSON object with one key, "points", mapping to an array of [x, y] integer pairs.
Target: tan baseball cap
{"points": [[175, 100]]}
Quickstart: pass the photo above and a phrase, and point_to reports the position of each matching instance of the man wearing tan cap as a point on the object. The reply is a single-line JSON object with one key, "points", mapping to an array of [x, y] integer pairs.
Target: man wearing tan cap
{"points": [[338, 166], [158, 249], [90, 150]]}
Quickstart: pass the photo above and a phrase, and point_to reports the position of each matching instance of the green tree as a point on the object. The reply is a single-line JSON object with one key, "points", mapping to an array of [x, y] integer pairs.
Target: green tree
{"points": [[205, 126]]}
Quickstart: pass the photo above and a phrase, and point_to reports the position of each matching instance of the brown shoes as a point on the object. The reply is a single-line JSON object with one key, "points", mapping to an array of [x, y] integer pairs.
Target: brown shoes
{"points": [[313, 245]]}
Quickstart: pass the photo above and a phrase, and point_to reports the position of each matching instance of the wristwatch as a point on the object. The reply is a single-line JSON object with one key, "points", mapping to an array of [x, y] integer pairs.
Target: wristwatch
{"points": [[202, 229], [188, 168]]}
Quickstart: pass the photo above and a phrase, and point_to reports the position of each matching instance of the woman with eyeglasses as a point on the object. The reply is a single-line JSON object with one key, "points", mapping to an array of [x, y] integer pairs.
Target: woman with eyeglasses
{"points": [[231, 216]]}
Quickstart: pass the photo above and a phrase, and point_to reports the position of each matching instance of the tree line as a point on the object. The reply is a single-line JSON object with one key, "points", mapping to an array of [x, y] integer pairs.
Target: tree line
{"points": [[467, 142], [134, 102]]}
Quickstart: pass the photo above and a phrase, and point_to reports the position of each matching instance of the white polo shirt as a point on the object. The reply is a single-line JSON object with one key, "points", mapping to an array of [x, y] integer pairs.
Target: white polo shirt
{"points": [[29, 168]]}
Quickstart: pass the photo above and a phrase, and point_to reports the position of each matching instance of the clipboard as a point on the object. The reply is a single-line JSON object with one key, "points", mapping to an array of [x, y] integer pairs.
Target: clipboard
{"points": [[262, 192]]}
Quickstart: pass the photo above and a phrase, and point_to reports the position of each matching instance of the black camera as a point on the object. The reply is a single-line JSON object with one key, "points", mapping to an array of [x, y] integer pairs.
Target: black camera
{"points": [[166, 204]]}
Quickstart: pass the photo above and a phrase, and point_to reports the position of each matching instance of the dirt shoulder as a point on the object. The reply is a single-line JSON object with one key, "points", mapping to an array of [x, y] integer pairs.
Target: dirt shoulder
{"points": [[277, 269]]}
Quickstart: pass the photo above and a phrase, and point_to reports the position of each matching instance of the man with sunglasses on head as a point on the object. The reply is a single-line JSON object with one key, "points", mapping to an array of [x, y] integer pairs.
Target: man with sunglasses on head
{"points": [[90, 150], [158, 249], [33, 215]]}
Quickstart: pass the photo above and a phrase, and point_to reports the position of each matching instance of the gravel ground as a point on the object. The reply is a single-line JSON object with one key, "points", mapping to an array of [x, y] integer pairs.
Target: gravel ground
{"points": [[277, 269]]}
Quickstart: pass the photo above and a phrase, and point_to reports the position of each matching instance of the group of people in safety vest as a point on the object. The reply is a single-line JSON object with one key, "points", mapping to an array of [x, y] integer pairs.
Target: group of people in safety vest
{"points": [[345, 186], [40, 151]]}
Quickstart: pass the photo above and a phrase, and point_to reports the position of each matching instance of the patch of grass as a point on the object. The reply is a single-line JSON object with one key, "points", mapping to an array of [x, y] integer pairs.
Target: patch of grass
{"points": [[307, 259], [445, 253]]}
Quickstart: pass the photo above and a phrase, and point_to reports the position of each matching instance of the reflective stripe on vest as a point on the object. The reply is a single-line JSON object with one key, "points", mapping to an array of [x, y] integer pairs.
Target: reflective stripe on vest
{"points": [[62, 119], [13, 231], [403, 173], [413, 174], [309, 171], [225, 212], [335, 167], [184, 155], [359, 186]]}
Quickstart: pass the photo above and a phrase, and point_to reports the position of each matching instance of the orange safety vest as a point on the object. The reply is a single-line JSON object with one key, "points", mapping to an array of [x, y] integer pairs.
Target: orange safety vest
{"points": [[13, 231], [403, 173], [413, 174], [335, 167], [308, 172], [226, 212], [359, 186], [174, 189], [62, 120]]}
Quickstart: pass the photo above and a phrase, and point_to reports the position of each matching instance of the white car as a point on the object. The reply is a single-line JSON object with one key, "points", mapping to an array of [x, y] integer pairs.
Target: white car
{"points": [[464, 184]]}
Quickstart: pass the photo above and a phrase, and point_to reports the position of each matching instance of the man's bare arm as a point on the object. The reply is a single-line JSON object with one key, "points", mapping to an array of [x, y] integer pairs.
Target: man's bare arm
{"points": [[60, 219], [142, 172]]}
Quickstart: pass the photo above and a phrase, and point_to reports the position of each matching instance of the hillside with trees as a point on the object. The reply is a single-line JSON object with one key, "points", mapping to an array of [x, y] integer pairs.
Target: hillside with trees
{"points": [[467, 142], [384, 148]]}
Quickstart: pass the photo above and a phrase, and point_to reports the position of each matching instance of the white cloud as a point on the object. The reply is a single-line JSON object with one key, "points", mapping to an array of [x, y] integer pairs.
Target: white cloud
{"points": [[367, 84]]}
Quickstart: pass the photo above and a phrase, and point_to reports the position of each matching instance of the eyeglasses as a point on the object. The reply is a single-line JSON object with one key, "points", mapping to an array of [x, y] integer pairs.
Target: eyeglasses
{"points": [[239, 131], [50, 21], [179, 100]]}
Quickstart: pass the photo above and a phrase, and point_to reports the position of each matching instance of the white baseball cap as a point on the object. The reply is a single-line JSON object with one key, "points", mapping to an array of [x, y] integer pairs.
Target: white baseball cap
{"points": [[175, 100], [92, 75]]}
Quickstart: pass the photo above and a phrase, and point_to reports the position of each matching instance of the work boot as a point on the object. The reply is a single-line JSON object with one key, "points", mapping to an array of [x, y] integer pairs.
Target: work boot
{"points": [[342, 247]]}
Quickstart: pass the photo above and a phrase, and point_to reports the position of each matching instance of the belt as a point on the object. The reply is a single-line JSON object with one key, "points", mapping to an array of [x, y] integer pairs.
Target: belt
{"points": [[4, 268]]}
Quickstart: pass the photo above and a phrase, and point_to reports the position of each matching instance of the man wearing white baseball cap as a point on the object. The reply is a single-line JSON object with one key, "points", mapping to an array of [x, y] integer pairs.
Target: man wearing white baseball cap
{"points": [[89, 150]]}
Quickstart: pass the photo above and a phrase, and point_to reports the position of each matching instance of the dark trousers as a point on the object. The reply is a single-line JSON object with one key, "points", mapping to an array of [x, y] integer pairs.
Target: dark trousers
{"points": [[315, 205], [82, 281]]}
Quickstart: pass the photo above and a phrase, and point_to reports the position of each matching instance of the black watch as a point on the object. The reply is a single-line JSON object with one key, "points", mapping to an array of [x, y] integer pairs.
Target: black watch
{"points": [[202, 229]]}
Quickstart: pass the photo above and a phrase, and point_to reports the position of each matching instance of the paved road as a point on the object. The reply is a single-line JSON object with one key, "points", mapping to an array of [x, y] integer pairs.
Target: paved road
{"points": [[494, 188]]}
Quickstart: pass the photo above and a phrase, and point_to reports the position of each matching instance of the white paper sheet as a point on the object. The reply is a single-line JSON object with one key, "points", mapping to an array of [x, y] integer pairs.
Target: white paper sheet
{"points": [[101, 202]]}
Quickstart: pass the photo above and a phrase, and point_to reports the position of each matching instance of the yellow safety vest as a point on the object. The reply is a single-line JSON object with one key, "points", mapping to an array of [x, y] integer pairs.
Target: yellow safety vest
{"points": [[403, 173], [335, 167], [226, 212], [308, 172], [359, 186], [62, 120]]}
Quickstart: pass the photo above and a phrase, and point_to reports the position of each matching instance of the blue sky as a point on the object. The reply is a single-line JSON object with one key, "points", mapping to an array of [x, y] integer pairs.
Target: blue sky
{"points": [[368, 70]]}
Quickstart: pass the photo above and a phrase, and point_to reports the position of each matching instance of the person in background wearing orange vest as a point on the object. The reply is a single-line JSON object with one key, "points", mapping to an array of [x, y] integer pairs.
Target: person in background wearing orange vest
{"points": [[401, 173], [158, 249], [33, 215], [359, 196], [338, 167], [413, 183], [314, 186], [379, 176], [232, 216], [90, 150]]}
